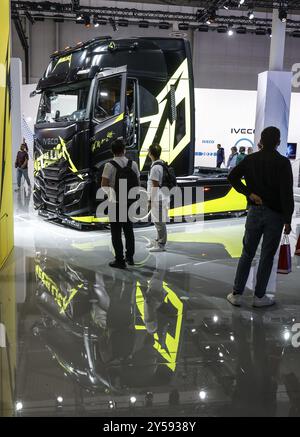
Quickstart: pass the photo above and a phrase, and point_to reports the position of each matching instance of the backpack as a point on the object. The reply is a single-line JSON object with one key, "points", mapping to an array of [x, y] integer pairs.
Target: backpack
{"points": [[127, 173], [169, 178]]}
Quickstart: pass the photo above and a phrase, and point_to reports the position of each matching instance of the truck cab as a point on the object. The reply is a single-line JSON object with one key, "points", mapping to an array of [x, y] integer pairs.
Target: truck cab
{"points": [[140, 89]]}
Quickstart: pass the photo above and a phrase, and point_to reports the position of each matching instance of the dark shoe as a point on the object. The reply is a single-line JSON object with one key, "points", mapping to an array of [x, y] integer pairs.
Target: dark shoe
{"points": [[130, 261], [118, 265]]}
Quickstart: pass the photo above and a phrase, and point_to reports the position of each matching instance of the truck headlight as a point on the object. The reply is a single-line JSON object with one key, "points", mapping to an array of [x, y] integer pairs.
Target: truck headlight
{"points": [[74, 186]]}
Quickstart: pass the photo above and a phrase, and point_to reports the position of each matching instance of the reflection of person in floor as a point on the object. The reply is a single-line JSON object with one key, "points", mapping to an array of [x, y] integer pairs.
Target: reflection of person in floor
{"points": [[257, 368]]}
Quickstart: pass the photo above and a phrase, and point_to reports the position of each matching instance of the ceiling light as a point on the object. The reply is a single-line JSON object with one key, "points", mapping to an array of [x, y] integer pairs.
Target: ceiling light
{"points": [[251, 15], [230, 31], [260, 31], [202, 395], [132, 399], [242, 2], [79, 17], [144, 24], [203, 28], [222, 29], [123, 22], [164, 25], [241, 30], [282, 14], [183, 26], [59, 399], [19, 406]]}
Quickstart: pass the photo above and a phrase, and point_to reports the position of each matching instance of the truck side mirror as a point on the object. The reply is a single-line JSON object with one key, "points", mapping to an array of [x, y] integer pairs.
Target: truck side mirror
{"points": [[148, 103]]}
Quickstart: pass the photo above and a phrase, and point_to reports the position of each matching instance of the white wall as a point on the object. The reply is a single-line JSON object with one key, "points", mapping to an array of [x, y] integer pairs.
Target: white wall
{"points": [[220, 111]]}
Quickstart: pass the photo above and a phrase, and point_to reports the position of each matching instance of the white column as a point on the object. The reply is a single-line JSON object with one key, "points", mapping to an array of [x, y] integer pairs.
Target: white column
{"points": [[16, 105], [277, 43], [274, 89]]}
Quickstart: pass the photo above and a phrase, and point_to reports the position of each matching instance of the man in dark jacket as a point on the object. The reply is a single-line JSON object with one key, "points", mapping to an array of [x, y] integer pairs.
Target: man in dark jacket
{"points": [[269, 190], [220, 156]]}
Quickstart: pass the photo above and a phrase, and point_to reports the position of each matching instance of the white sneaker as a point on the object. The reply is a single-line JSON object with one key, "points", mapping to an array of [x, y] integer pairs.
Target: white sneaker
{"points": [[235, 299], [157, 248], [263, 301], [151, 244]]}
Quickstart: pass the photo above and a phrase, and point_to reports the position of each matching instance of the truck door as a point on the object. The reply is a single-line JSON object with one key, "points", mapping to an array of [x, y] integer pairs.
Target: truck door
{"points": [[108, 113]]}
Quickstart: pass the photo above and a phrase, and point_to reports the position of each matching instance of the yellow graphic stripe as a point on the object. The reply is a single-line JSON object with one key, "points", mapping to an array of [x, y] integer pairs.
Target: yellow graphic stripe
{"points": [[61, 300], [67, 58], [172, 343], [169, 154], [233, 201], [91, 219], [6, 197], [54, 155]]}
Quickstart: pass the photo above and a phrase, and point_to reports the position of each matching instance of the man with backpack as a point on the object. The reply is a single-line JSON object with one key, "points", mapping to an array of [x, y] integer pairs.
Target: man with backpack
{"points": [[161, 176], [116, 173]]}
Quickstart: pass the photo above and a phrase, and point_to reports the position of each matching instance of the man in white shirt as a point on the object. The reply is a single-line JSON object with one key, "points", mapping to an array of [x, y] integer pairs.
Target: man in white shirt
{"points": [[158, 202], [110, 178]]}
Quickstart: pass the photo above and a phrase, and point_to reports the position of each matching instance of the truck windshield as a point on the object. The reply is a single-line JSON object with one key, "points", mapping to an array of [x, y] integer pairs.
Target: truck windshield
{"points": [[63, 105]]}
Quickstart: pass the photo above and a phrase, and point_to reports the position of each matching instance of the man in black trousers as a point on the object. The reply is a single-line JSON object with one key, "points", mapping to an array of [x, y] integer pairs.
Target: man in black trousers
{"points": [[122, 171], [269, 190]]}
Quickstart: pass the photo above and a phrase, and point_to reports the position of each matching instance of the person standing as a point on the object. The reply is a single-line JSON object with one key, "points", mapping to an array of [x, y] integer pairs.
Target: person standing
{"points": [[250, 150], [158, 201], [241, 156], [232, 158], [21, 164], [114, 173], [220, 156], [269, 189]]}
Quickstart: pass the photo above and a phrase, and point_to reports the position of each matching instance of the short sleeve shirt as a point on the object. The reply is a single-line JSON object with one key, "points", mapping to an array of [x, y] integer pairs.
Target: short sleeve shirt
{"points": [[110, 171]]}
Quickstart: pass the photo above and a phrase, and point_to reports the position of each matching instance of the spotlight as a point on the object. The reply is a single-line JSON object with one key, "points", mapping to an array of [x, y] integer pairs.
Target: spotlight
{"points": [[164, 25], [112, 404], [60, 399], [282, 14], [222, 29], [269, 32], [19, 406], [211, 15], [79, 17], [144, 24], [183, 26], [230, 31], [260, 31], [132, 400], [241, 30], [251, 15], [123, 22], [242, 2], [58, 18], [202, 395], [203, 28]]}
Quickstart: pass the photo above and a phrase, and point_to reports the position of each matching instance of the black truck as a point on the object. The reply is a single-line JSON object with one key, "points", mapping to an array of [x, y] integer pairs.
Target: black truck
{"points": [[140, 89]]}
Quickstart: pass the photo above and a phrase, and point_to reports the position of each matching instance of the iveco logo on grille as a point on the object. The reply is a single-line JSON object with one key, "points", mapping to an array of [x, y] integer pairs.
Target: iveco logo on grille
{"points": [[50, 141]]}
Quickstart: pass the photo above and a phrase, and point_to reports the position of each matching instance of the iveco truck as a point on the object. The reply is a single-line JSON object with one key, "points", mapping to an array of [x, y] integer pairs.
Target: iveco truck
{"points": [[140, 89]]}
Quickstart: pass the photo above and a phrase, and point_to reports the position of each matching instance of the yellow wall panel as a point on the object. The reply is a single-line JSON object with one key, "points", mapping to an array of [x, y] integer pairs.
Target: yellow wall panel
{"points": [[6, 197]]}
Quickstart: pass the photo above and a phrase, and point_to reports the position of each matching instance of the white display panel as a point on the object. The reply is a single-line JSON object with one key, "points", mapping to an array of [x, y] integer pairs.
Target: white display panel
{"points": [[228, 117]]}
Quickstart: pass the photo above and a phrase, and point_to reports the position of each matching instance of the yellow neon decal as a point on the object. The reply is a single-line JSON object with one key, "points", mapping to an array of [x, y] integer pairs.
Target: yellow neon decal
{"points": [[172, 343], [98, 144], [233, 201], [91, 219], [62, 60], [54, 155], [169, 153], [62, 301]]}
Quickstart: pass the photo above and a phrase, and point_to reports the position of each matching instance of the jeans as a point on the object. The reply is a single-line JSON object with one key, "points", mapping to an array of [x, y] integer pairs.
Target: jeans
{"points": [[264, 223], [22, 172]]}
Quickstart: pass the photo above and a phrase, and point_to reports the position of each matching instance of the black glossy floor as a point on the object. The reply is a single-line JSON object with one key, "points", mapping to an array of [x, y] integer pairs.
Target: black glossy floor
{"points": [[156, 340]]}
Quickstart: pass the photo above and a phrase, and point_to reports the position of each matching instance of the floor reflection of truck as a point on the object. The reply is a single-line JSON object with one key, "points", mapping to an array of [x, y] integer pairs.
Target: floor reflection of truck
{"points": [[141, 89]]}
